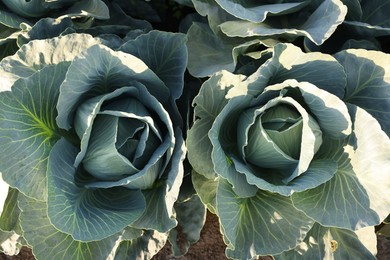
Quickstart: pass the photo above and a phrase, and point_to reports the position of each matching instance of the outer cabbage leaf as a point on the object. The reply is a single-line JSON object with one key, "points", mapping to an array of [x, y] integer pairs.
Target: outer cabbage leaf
{"points": [[86, 214], [258, 13], [373, 21], [10, 239], [164, 53], [209, 103], [191, 216], [333, 243], [368, 82], [317, 27], [353, 199], [143, 247], [365, 22], [27, 123], [209, 53], [206, 189], [9, 219], [46, 28], [289, 62], [18, 18], [38, 54], [245, 219], [50, 243], [235, 25]]}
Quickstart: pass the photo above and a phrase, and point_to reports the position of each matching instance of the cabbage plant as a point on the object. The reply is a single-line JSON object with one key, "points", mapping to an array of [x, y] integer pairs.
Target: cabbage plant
{"points": [[94, 144], [366, 25], [18, 17], [294, 159], [237, 27]]}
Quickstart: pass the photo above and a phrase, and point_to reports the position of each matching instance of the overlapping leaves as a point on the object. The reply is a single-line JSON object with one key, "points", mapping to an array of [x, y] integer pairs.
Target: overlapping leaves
{"points": [[349, 152], [65, 202]]}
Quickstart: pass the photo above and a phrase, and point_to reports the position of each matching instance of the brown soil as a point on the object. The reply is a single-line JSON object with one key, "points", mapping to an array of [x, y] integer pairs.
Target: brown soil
{"points": [[209, 246]]}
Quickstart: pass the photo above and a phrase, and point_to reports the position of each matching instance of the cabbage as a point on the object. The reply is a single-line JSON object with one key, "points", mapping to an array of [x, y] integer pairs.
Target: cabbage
{"points": [[95, 144], [294, 158]]}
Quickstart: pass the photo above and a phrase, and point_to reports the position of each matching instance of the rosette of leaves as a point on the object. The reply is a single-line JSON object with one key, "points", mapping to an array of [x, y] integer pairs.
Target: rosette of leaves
{"points": [[18, 17], [367, 26], [294, 159], [237, 27], [94, 144]]}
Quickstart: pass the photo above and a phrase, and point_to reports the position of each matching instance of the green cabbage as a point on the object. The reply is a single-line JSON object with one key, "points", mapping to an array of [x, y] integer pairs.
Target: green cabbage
{"points": [[238, 27], [95, 144], [294, 158]]}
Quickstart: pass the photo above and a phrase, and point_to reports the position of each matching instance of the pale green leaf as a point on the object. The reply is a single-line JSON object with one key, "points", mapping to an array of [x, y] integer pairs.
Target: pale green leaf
{"points": [[357, 196], [289, 62], [102, 158], [318, 172], [37, 54], [154, 165], [49, 243], [144, 247], [28, 129], [375, 12], [164, 53], [257, 13], [191, 216], [330, 112], [368, 82], [9, 219], [99, 71], [88, 8], [86, 214], [334, 243], [10, 19], [257, 148], [206, 189], [207, 53], [215, 14], [264, 224], [159, 214], [208, 104], [318, 27]]}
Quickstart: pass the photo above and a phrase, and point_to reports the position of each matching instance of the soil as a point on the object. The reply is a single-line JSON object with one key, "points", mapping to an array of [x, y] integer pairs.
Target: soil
{"points": [[210, 246]]}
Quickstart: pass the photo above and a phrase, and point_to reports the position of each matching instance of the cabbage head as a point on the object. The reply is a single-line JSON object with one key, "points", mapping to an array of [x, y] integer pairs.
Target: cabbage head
{"points": [[241, 26], [294, 159], [94, 144]]}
